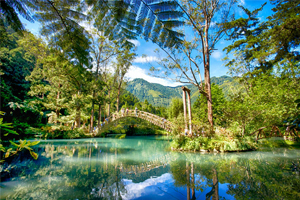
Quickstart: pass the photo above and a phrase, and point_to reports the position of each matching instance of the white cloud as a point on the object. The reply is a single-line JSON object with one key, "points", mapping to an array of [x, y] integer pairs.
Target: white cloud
{"points": [[156, 185], [142, 59], [242, 2], [137, 72], [216, 54], [135, 42]]}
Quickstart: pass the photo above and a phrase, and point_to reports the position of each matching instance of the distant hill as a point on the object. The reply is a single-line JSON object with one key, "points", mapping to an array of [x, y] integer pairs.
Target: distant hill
{"points": [[159, 95]]}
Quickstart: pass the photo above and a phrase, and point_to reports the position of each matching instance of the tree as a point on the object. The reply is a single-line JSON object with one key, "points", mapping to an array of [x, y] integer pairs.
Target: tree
{"points": [[264, 44], [122, 66], [102, 51], [207, 19], [218, 100], [175, 108]]}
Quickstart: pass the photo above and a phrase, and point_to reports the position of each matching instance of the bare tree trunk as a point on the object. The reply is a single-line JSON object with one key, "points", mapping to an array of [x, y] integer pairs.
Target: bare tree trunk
{"points": [[184, 110], [190, 112]]}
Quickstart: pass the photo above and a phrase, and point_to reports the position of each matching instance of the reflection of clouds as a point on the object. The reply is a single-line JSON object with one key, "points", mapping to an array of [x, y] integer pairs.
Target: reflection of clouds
{"points": [[157, 186]]}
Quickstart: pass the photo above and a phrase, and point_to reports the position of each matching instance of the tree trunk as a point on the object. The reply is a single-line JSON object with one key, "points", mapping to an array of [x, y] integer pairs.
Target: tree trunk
{"points": [[99, 117], [190, 112], [108, 108], [118, 100], [92, 112], [208, 91], [184, 111], [77, 117], [57, 110]]}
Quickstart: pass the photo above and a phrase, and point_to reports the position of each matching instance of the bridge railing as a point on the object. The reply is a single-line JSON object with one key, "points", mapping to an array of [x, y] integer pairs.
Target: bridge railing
{"points": [[154, 119]]}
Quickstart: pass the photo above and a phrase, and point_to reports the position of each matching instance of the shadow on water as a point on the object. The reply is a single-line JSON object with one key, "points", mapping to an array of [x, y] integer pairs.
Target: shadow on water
{"points": [[138, 168]]}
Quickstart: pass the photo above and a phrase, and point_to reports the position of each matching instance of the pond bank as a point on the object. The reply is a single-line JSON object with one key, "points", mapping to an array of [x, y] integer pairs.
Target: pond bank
{"points": [[216, 145]]}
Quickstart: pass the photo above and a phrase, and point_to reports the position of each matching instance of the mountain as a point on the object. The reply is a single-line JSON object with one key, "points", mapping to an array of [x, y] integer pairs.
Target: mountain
{"points": [[159, 95]]}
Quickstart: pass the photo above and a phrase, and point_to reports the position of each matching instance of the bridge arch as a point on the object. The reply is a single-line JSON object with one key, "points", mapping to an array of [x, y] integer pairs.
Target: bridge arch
{"points": [[154, 119]]}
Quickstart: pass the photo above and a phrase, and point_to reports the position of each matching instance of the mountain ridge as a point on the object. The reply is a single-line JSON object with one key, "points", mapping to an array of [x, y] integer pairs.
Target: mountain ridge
{"points": [[159, 95]]}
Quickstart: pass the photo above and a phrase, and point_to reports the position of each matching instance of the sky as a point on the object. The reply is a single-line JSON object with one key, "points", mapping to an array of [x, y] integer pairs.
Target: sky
{"points": [[141, 65]]}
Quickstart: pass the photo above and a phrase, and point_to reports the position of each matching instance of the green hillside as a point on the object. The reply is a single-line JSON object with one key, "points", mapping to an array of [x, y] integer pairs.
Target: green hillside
{"points": [[159, 95]]}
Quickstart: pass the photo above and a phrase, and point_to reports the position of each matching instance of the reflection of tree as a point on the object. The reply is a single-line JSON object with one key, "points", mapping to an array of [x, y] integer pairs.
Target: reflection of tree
{"points": [[97, 169], [253, 175], [86, 170], [214, 193], [82, 179]]}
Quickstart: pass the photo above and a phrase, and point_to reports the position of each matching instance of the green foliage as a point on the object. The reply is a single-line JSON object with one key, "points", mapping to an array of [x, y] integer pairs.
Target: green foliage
{"points": [[219, 102], [62, 132], [270, 101], [6, 127], [175, 108], [217, 143]]}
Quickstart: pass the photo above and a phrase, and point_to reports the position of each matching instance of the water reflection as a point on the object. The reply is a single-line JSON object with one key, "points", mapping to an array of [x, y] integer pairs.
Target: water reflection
{"points": [[141, 168]]}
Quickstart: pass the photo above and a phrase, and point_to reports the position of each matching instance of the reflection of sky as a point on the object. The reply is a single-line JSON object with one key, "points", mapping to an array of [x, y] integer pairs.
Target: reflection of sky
{"points": [[163, 188]]}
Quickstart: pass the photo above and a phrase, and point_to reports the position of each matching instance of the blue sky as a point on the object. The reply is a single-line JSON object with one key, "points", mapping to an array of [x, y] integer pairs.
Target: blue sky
{"points": [[140, 67]]}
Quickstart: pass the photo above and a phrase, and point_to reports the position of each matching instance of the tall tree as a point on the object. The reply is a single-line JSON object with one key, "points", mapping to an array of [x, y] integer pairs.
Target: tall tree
{"points": [[102, 51], [206, 19], [122, 66]]}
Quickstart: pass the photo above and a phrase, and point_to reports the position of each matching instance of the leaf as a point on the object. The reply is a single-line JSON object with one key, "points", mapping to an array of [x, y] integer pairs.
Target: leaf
{"points": [[28, 148], [14, 144], [33, 143], [8, 152], [34, 155]]}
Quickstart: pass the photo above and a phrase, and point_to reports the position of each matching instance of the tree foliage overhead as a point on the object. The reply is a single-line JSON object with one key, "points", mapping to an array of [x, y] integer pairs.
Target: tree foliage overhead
{"points": [[154, 19], [9, 10], [61, 21]]}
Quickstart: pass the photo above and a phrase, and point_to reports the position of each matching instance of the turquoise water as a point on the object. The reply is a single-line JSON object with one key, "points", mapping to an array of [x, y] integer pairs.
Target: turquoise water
{"points": [[145, 168]]}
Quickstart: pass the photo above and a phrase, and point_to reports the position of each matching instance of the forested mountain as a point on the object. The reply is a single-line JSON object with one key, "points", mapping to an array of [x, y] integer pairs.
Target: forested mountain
{"points": [[159, 95]]}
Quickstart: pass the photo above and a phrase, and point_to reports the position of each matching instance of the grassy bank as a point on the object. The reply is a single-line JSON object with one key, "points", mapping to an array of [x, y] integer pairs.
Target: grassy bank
{"points": [[215, 144]]}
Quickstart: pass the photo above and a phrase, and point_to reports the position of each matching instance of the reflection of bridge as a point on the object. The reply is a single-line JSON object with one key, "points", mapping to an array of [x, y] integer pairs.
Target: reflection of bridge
{"points": [[146, 166], [154, 119]]}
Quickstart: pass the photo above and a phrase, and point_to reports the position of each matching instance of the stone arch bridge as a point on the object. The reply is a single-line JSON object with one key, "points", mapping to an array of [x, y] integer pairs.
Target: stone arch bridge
{"points": [[154, 119]]}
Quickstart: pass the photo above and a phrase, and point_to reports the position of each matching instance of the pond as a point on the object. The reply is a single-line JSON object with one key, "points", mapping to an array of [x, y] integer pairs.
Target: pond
{"points": [[145, 168]]}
